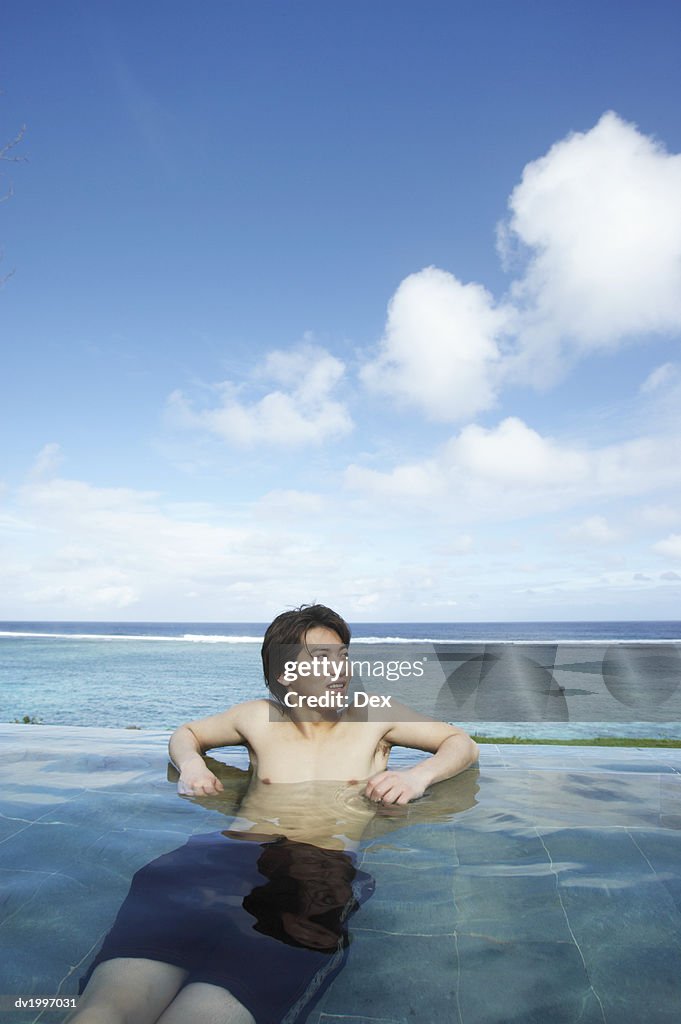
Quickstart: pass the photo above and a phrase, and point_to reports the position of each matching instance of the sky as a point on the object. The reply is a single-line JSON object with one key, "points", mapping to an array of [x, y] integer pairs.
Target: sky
{"points": [[375, 304]]}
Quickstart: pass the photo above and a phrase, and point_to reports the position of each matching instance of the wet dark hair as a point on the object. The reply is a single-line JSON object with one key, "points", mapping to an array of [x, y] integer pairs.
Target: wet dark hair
{"points": [[290, 628], [299, 875]]}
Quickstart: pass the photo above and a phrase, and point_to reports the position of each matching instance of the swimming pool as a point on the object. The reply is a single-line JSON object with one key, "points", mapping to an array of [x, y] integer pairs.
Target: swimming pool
{"points": [[543, 885]]}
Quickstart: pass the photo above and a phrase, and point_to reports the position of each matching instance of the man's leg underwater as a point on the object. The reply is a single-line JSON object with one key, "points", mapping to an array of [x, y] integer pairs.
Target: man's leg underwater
{"points": [[127, 990], [201, 1003]]}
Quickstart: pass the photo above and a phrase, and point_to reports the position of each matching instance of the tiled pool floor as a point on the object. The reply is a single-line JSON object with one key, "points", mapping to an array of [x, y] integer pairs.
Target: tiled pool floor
{"points": [[544, 886]]}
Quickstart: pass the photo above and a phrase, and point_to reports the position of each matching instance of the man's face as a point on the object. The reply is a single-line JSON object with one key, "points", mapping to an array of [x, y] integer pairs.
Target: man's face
{"points": [[322, 664]]}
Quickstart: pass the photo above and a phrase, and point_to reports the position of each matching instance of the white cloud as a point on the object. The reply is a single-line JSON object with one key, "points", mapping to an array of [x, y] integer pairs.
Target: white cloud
{"points": [[440, 346], [593, 529], [660, 377], [670, 575], [289, 504], [594, 232], [660, 515], [670, 546], [515, 454], [94, 591], [47, 461], [84, 549], [88, 552], [461, 545], [411, 481], [300, 412], [600, 216], [512, 469]]}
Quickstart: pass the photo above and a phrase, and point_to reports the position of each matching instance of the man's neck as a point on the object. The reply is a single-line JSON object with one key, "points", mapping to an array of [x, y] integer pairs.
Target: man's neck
{"points": [[318, 727]]}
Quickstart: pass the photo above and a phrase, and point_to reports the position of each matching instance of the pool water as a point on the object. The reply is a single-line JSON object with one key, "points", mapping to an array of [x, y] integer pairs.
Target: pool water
{"points": [[543, 885]]}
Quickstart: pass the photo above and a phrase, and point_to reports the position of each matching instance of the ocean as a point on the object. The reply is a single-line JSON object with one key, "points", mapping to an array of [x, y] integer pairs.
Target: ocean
{"points": [[158, 675]]}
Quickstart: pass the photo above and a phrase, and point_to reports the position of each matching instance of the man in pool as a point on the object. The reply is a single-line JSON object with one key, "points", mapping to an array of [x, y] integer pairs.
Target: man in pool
{"points": [[309, 732]]}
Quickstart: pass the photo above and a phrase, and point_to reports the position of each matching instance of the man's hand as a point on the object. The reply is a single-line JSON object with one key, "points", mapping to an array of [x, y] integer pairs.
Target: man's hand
{"points": [[395, 787], [197, 780]]}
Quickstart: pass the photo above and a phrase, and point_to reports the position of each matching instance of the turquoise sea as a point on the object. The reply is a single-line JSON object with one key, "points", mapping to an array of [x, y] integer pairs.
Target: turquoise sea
{"points": [[592, 678]]}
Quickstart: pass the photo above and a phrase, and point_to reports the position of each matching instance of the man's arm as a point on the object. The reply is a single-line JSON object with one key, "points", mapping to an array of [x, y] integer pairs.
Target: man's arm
{"points": [[188, 744], [453, 751]]}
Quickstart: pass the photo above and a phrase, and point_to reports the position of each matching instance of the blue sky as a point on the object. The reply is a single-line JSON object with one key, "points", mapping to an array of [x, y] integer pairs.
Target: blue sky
{"points": [[376, 304]]}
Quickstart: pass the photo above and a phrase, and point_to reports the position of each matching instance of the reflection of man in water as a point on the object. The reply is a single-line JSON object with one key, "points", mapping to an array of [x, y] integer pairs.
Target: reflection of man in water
{"points": [[250, 924], [223, 919]]}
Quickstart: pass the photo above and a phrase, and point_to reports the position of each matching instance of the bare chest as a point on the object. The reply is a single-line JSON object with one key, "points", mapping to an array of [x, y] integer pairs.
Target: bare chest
{"points": [[349, 752]]}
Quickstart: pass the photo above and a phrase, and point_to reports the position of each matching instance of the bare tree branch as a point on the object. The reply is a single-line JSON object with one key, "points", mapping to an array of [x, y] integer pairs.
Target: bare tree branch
{"points": [[12, 144], [8, 156]]}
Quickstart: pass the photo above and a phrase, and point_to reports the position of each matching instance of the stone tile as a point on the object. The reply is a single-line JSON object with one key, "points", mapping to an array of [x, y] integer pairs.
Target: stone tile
{"points": [[662, 851], [410, 898], [639, 983], [586, 798], [624, 921], [408, 917], [346, 1018], [510, 908], [10, 826], [524, 982], [670, 803], [639, 765], [509, 845], [393, 850], [397, 978]]}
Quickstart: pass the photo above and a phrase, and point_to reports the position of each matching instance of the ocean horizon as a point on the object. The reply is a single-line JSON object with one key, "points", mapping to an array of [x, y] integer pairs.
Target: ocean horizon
{"points": [[158, 674], [510, 631]]}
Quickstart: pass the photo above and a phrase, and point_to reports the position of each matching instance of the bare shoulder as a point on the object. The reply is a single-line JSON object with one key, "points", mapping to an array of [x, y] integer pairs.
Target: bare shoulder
{"points": [[232, 726], [254, 714], [406, 727]]}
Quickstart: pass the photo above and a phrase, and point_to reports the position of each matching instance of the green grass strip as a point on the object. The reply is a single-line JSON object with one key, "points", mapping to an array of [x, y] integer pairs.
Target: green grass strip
{"points": [[597, 741]]}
